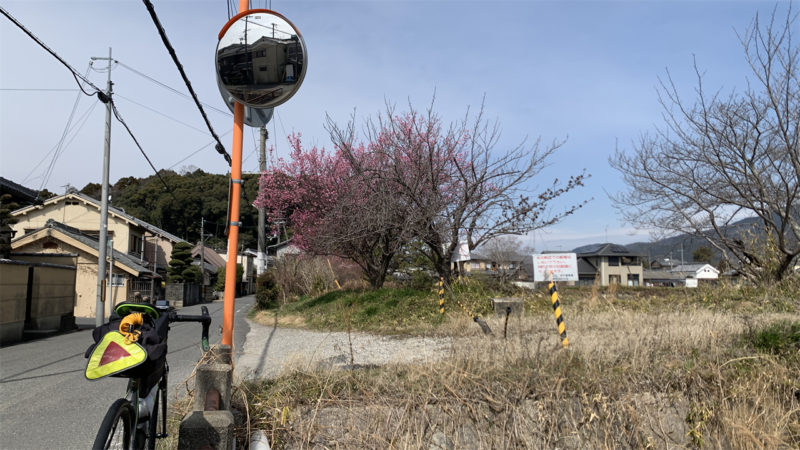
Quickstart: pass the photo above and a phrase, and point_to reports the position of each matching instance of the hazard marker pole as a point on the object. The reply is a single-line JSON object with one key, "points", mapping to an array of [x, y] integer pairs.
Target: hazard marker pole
{"points": [[441, 295], [562, 329], [233, 227]]}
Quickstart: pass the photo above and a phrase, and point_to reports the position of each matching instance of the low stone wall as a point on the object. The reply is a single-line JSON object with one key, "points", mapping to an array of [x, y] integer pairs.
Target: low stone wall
{"points": [[13, 289], [35, 297], [183, 294]]}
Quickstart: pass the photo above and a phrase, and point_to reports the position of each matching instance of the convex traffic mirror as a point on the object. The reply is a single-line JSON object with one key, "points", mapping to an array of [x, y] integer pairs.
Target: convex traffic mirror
{"points": [[253, 117], [261, 59]]}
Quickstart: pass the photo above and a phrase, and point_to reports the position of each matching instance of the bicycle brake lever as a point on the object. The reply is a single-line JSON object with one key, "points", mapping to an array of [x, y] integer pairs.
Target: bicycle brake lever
{"points": [[206, 323]]}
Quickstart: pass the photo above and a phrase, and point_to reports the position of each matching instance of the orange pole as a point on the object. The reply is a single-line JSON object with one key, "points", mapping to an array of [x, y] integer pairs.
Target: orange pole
{"points": [[233, 230]]}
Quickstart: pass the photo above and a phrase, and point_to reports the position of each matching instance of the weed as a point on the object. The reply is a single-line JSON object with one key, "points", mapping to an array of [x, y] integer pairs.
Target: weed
{"points": [[778, 338]]}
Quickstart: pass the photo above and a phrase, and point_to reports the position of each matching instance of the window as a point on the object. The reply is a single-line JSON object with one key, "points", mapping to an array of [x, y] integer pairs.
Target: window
{"points": [[613, 260], [633, 279], [475, 265], [614, 279], [511, 266], [136, 243], [118, 280], [262, 69], [261, 54]]}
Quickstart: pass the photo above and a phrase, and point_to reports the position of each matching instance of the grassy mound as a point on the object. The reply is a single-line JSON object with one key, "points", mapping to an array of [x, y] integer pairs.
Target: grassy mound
{"points": [[383, 310]]}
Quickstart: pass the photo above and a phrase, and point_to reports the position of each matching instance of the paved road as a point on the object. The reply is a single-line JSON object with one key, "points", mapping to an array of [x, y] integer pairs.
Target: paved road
{"points": [[45, 401]]}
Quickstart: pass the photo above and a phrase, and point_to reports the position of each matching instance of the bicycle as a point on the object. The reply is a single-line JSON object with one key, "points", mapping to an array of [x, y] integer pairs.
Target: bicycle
{"points": [[132, 422]]}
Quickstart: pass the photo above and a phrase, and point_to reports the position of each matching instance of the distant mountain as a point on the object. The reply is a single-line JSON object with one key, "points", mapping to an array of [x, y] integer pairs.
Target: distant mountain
{"points": [[671, 247]]}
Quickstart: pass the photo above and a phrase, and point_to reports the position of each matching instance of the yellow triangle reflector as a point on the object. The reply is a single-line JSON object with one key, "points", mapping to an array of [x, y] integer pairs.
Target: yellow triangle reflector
{"points": [[112, 355]]}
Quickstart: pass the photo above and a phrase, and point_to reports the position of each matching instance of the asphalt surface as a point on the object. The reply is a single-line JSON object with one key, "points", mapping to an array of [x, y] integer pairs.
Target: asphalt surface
{"points": [[46, 402]]}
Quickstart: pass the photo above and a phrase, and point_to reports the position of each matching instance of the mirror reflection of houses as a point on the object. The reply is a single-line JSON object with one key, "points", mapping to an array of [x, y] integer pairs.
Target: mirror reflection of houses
{"points": [[261, 60]]}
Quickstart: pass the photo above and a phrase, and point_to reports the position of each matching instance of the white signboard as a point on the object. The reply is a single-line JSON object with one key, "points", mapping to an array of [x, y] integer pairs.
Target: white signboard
{"points": [[461, 253], [691, 282], [563, 265]]}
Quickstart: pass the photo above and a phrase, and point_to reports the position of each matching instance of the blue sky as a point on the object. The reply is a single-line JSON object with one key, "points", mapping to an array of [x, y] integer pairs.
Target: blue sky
{"points": [[586, 70]]}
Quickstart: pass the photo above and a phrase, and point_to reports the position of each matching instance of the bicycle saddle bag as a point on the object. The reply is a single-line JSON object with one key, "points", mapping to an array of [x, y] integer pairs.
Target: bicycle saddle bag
{"points": [[113, 355]]}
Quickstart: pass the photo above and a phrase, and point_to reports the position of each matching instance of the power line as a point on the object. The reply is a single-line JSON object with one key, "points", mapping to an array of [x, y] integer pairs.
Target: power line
{"points": [[105, 99], [219, 147], [198, 151], [75, 73], [172, 89], [161, 114], [49, 171], [86, 116], [119, 119], [63, 90]]}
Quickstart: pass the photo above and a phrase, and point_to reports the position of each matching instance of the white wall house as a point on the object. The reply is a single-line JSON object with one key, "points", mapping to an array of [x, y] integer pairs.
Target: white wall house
{"points": [[699, 271]]}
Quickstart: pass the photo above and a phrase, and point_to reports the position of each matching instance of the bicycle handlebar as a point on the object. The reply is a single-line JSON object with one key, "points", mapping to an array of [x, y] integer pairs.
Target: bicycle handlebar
{"points": [[205, 319]]}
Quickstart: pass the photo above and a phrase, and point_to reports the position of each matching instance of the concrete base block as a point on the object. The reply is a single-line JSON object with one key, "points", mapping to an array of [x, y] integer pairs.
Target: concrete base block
{"points": [[220, 354], [213, 376], [206, 428], [515, 303]]}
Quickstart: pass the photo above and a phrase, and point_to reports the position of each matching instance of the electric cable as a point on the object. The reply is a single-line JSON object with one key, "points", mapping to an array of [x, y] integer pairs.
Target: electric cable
{"points": [[166, 186], [85, 118], [219, 147], [75, 73], [198, 150], [49, 171], [119, 119], [106, 69], [64, 90], [285, 136], [162, 114], [172, 89], [105, 99]]}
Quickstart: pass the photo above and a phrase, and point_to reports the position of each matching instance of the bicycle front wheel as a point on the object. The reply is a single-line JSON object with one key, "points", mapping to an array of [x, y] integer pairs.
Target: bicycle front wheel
{"points": [[115, 431]]}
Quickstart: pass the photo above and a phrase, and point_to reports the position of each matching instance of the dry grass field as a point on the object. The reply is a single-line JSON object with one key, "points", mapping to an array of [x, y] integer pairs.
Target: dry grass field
{"points": [[717, 367]]}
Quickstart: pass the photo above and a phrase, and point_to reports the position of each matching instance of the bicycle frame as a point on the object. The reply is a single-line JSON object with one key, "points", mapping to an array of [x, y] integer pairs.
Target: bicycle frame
{"points": [[134, 394], [138, 388]]}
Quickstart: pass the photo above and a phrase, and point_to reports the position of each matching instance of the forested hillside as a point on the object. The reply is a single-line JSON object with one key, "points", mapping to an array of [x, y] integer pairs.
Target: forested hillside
{"points": [[197, 195]]}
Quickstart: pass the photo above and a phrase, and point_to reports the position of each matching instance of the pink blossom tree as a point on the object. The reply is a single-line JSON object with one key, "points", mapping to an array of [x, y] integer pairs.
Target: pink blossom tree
{"points": [[454, 183], [335, 211], [411, 182]]}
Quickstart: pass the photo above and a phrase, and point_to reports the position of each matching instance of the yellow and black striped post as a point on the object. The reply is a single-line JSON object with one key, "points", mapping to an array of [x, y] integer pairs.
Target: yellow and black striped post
{"points": [[562, 329], [441, 295], [469, 313]]}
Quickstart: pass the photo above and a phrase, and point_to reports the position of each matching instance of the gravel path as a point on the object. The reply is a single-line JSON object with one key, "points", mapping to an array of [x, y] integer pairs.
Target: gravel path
{"points": [[270, 349]]}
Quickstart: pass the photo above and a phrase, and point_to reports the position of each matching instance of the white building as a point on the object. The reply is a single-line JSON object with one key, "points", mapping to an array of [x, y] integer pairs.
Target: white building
{"points": [[698, 271]]}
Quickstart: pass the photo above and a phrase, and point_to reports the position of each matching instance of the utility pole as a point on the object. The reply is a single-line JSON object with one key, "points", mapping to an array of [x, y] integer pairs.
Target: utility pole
{"points": [[111, 290], [261, 267], [203, 253], [101, 248]]}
